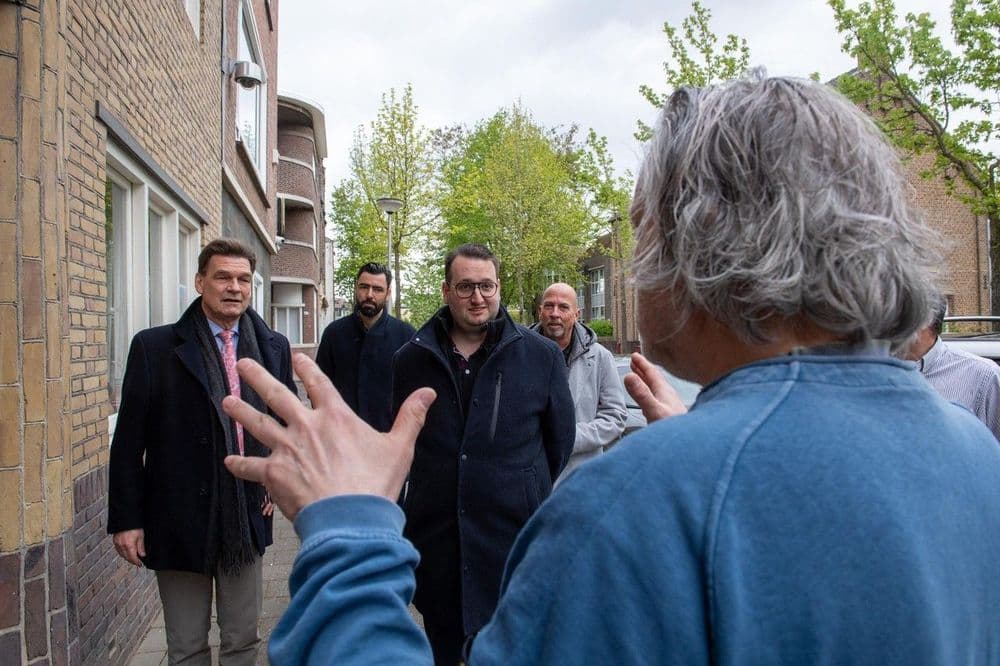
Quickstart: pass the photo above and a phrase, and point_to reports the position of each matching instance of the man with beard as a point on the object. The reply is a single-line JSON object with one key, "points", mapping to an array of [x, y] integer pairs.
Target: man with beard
{"points": [[598, 394], [356, 351]]}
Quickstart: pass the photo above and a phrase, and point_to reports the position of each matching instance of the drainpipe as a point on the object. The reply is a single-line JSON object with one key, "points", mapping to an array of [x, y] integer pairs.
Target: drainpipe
{"points": [[224, 65]]}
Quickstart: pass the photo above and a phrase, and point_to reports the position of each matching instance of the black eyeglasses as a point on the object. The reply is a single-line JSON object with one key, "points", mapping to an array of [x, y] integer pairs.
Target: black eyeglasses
{"points": [[464, 289]]}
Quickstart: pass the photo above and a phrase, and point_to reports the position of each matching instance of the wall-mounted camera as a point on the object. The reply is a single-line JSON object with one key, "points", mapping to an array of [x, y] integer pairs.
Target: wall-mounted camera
{"points": [[248, 74]]}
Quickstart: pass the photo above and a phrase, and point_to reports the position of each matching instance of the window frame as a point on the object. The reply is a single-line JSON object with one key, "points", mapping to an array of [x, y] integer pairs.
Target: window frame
{"points": [[132, 305], [247, 28]]}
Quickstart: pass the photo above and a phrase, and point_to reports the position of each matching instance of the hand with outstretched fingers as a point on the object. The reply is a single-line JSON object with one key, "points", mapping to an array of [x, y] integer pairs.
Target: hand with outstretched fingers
{"points": [[651, 391], [325, 450]]}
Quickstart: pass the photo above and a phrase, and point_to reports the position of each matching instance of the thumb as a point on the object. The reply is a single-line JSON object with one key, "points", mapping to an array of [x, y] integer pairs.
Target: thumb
{"points": [[413, 414]]}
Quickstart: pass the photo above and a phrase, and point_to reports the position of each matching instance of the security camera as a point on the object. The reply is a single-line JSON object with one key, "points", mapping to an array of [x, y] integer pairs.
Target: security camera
{"points": [[248, 74]]}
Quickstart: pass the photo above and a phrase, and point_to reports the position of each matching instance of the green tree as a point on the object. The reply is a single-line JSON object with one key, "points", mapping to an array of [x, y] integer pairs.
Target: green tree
{"points": [[929, 98], [510, 185], [695, 59], [393, 157]]}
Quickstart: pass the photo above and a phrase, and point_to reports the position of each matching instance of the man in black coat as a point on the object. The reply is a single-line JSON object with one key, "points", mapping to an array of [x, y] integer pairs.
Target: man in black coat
{"points": [[172, 505], [356, 351], [496, 438]]}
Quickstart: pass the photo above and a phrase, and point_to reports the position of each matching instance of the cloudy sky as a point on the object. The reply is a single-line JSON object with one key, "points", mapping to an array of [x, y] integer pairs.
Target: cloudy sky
{"points": [[568, 61]]}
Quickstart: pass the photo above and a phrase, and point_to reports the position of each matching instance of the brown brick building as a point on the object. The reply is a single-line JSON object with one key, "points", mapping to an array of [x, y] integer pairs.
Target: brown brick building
{"points": [[298, 304], [606, 293], [126, 144]]}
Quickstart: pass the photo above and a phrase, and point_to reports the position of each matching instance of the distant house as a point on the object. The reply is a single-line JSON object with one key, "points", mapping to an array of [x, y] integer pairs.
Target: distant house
{"points": [[297, 292], [132, 133], [606, 293]]}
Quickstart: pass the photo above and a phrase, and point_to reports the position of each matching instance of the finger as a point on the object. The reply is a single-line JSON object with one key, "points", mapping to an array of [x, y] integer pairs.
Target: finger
{"points": [[318, 386], [639, 391], [131, 555], [276, 395], [649, 373], [140, 545], [413, 414], [265, 429], [250, 468]]}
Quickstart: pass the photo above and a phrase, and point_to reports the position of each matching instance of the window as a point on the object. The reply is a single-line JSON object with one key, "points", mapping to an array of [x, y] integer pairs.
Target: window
{"points": [[193, 9], [596, 279], [151, 245], [251, 103], [581, 297], [286, 309], [258, 292]]}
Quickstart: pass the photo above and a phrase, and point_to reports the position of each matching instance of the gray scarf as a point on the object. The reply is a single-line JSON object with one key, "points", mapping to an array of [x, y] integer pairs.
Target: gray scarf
{"points": [[229, 543]]}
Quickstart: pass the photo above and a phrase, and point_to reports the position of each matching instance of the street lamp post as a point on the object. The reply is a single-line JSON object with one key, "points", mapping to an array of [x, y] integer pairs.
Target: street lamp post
{"points": [[388, 205]]}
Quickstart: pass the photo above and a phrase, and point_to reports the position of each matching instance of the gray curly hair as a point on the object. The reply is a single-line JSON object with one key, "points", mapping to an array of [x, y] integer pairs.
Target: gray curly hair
{"points": [[768, 199]]}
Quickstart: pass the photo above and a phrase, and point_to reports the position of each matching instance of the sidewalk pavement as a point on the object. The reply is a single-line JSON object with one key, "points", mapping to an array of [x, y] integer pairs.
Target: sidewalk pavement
{"points": [[278, 560]]}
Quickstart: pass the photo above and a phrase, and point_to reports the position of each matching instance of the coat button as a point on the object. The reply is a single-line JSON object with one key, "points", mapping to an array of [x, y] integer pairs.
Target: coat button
{"points": [[464, 457]]}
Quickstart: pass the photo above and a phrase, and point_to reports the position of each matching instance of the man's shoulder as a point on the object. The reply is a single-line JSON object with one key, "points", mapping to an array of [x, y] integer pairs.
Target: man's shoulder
{"points": [[158, 335], [343, 322], [976, 364], [534, 340], [398, 325]]}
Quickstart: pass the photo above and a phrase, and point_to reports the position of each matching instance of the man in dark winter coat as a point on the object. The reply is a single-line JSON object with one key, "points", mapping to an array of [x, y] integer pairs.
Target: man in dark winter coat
{"points": [[495, 440], [172, 505], [356, 350]]}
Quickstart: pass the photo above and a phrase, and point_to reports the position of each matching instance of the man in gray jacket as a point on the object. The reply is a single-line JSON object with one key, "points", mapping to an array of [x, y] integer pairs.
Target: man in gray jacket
{"points": [[598, 394]]}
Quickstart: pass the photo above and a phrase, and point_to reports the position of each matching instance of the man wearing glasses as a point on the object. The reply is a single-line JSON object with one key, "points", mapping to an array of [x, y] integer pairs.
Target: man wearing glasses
{"points": [[494, 442], [356, 351]]}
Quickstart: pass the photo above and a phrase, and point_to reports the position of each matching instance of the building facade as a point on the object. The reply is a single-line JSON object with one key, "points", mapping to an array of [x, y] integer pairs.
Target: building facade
{"points": [[131, 133], [965, 274], [298, 300]]}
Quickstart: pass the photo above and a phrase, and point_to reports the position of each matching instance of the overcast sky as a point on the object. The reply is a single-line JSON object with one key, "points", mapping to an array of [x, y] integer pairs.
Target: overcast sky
{"points": [[567, 61]]}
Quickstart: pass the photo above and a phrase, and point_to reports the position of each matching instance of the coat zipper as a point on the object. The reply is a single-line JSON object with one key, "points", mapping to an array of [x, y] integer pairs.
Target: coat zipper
{"points": [[496, 407]]}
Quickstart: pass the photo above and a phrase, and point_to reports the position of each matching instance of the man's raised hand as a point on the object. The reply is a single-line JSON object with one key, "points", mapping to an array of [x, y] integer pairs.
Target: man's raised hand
{"points": [[325, 450], [651, 391]]}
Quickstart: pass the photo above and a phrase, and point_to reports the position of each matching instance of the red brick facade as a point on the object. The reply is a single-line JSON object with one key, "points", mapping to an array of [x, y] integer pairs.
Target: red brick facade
{"points": [[300, 264]]}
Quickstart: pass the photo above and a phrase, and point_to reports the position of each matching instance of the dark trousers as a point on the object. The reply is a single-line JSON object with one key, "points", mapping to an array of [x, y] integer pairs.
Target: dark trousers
{"points": [[439, 600]]}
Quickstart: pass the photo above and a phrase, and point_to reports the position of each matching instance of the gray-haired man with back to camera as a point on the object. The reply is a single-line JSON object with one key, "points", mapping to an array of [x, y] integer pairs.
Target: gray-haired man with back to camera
{"points": [[820, 503]]}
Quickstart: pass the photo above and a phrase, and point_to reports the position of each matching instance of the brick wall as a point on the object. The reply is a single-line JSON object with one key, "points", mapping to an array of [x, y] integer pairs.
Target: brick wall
{"points": [[259, 195], [966, 269], [64, 595], [297, 261], [297, 179]]}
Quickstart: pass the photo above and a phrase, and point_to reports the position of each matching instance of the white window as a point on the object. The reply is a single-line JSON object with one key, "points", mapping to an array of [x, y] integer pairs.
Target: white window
{"points": [[580, 297], [596, 279], [193, 9], [152, 245], [258, 292], [251, 103], [286, 310]]}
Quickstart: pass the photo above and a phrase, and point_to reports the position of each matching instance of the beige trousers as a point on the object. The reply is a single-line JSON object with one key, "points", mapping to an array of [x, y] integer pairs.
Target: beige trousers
{"points": [[187, 614]]}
